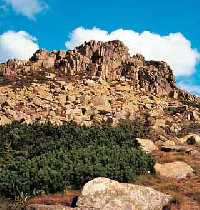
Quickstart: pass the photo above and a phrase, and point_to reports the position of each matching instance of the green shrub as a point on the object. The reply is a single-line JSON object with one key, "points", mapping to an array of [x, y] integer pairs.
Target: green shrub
{"points": [[52, 172], [49, 158]]}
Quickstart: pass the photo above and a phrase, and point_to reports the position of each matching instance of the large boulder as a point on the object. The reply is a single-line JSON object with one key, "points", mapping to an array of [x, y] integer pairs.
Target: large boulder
{"points": [[106, 194], [177, 170]]}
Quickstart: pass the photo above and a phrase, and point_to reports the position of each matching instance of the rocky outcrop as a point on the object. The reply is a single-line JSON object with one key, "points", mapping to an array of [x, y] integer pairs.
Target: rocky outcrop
{"points": [[108, 61], [97, 82]]}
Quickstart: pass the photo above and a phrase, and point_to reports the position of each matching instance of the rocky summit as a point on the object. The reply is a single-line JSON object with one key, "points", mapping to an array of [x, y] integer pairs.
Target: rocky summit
{"points": [[94, 83], [109, 61]]}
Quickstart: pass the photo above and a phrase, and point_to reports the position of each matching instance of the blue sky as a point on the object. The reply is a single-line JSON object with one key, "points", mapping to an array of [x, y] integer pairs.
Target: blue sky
{"points": [[52, 21]]}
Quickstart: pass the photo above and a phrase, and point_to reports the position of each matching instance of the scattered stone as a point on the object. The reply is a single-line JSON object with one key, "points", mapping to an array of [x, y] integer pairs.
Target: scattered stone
{"points": [[158, 123], [168, 143], [196, 115], [176, 148], [3, 99], [89, 82], [179, 109], [179, 148], [62, 99], [175, 128], [38, 102], [71, 98], [101, 103], [4, 120], [177, 170], [174, 94], [195, 153], [147, 145], [190, 139]]}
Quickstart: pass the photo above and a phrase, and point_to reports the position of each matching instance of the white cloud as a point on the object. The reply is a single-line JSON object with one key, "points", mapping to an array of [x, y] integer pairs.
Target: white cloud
{"points": [[28, 8], [174, 48], [192, 88], [18, 45]]}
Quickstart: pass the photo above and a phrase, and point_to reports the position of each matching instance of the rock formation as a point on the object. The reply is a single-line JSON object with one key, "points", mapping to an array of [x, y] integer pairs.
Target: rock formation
{"points": [[109, 61], [94, 83]]}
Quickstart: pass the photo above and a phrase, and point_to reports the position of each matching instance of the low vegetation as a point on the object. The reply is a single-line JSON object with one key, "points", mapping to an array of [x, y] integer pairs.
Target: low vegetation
{"points": [[47, 158]]}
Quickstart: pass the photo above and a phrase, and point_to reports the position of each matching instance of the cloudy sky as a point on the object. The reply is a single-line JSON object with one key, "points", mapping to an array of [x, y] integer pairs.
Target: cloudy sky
{"points": [[160, 30]]}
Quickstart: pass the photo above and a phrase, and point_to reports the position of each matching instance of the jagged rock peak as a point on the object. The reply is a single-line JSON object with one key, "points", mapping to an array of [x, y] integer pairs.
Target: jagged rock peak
{"points": [[97, 60], [107, 49]]}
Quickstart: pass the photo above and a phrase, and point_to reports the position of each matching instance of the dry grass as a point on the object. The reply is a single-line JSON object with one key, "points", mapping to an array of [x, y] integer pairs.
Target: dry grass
{"points": [[66, 199]]}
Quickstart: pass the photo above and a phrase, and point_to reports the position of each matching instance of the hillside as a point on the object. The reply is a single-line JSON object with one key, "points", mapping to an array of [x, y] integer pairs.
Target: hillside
{"points": [[99, 83], [96, 82]]}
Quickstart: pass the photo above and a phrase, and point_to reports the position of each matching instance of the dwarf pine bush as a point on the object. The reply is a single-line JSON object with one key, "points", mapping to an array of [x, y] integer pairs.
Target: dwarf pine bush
{"points": [[44, 157]]}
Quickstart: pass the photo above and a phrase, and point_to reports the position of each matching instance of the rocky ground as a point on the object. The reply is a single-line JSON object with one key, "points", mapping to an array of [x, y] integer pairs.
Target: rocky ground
{"points": [[100, 83]]}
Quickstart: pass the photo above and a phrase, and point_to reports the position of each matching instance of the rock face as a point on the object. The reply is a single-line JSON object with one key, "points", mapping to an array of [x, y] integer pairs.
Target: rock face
{"points": [[106, 194], [177, 170], [96, 60]]}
